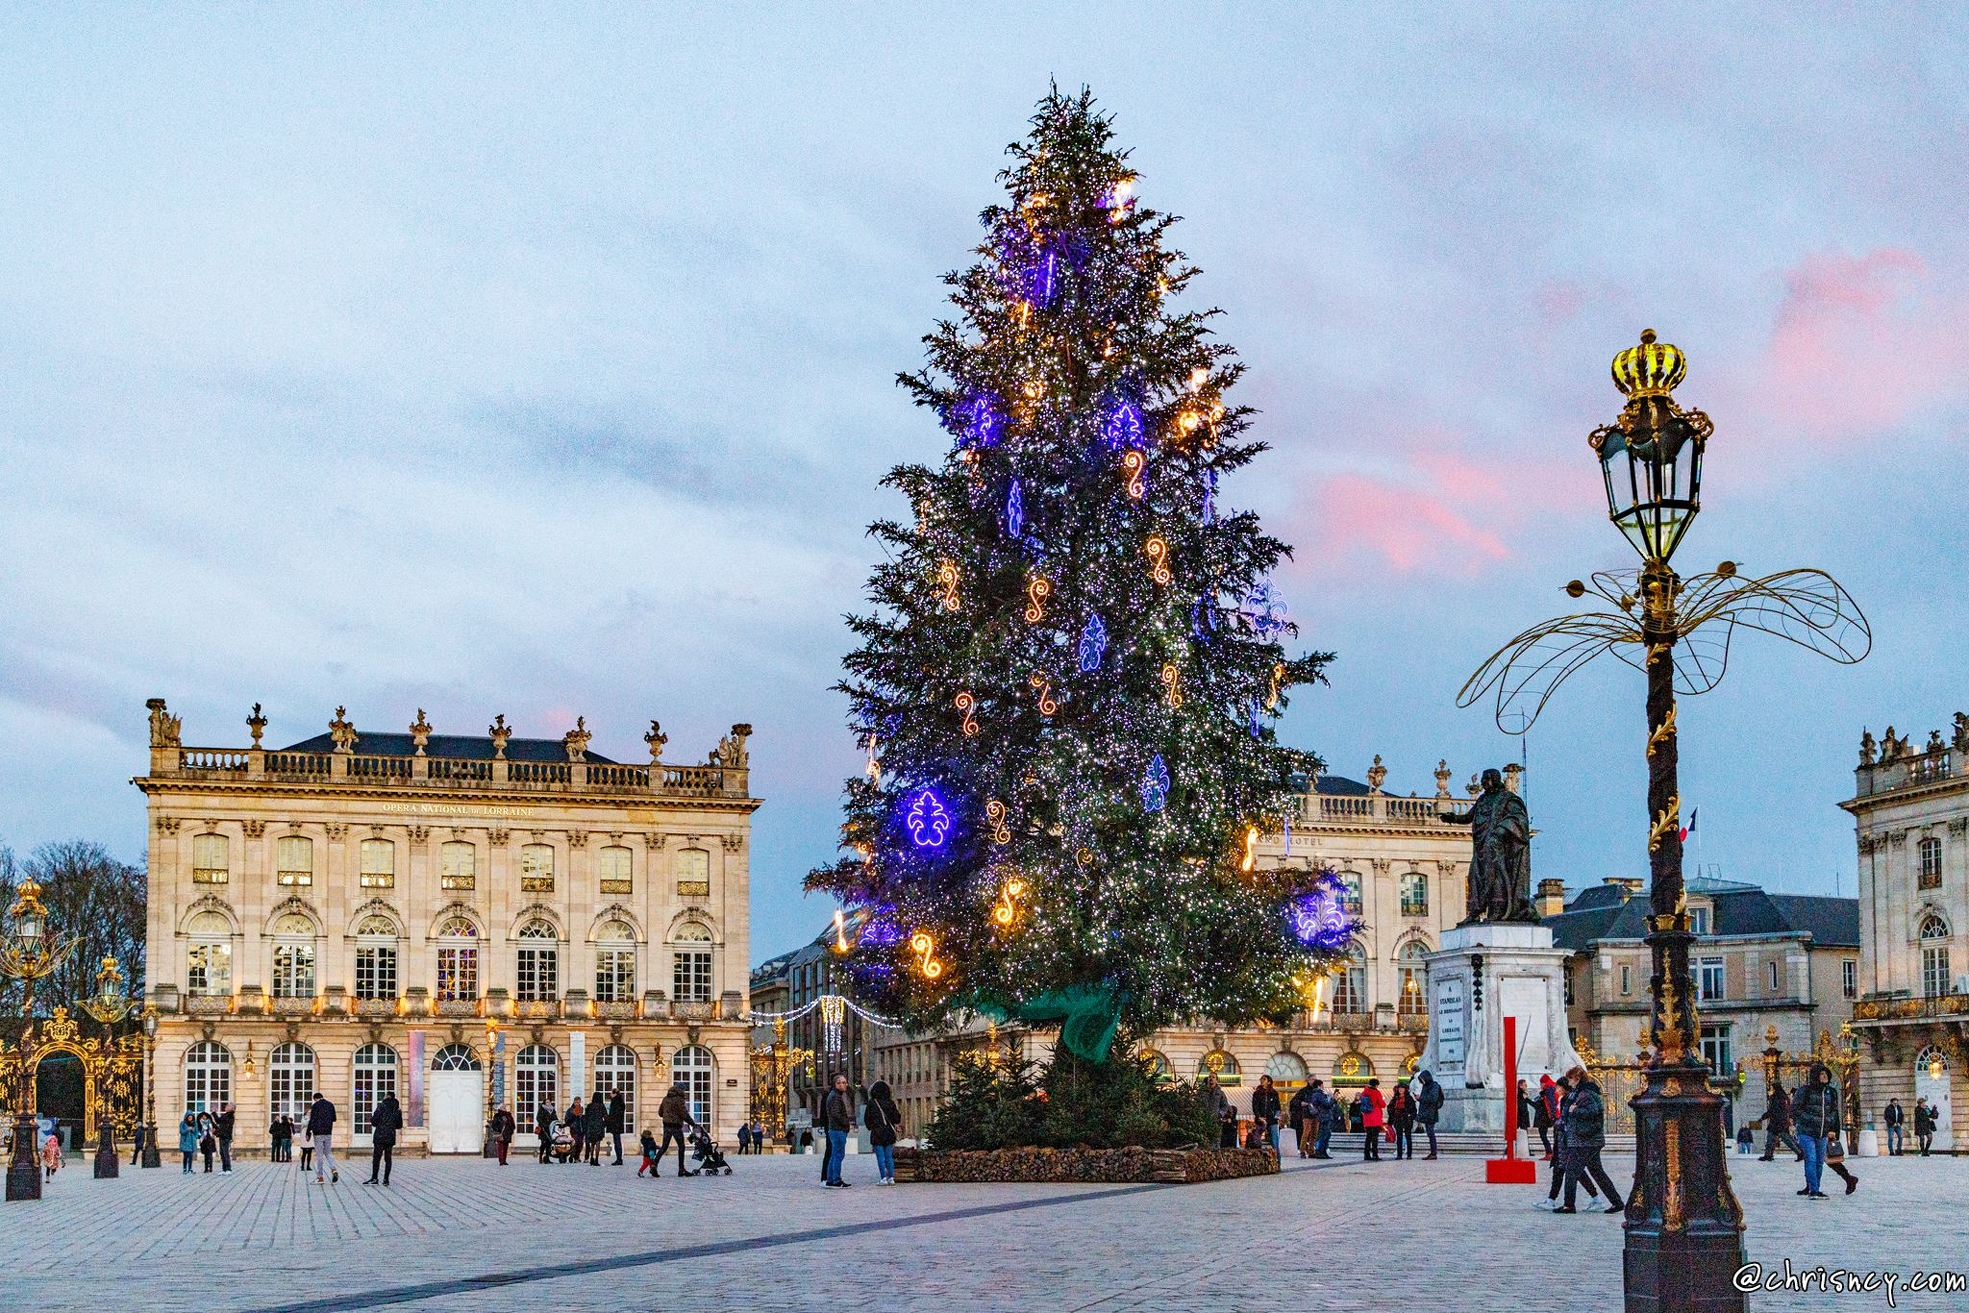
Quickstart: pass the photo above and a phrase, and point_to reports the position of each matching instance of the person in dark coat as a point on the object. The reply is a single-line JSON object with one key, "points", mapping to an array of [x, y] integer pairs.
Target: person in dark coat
{"points": [[503, 1130], [838, 1114], [1562, 1103], [543, 1125], [618, 1122], [1586, 1136], [595, 1127], [321, 1133], [280, 1138], [1428, 1107], [1401, 1121], [1220, 1107], [385, 1120], [884, 1120], [1545, 1112], [1895, 1120], [1299, 1112], [1264, 1109], [675, 1113], [1326, 1111], [1924, 1126], [1777, 1125], [1815, 1114], [576, 1122], [222, 1127]]}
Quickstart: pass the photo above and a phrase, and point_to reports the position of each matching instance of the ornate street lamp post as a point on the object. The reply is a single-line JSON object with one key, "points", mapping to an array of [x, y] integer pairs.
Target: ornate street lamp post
{"points": [[151, 1157], [109, 1006], [1684, 1228], [29, 950]]}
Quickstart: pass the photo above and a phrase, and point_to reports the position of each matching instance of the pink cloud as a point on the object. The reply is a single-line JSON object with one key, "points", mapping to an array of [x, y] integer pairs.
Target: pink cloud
{"points": [[1410, 528], [1860, 344]]}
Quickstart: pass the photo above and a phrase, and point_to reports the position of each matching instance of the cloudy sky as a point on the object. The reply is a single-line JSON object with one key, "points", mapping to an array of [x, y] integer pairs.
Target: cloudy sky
{"points": [[483, 362]]}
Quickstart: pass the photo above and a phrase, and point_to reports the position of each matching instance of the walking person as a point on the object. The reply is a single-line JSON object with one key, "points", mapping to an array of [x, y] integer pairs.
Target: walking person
{"points": [[1326, 1110], [1401, 1121], [1562, 1094], [651, 1154], [675, 1113], [503, 1130], [1835, 1161], [1527, 1111], [137, 1144], [1373, 1105], [1299, 1112], [1777, 1125], [543, 1126], [618, 1121], [1264, 1107], [1815, 1115], [1429, 1107], [385, 1120], [51, 1157], [1545, 1112], [744, 1138], [838, 1114], [884, 1121], [1924, 1126], [576, 1122], [188, 1140], [321, 1133], [595, 1126], [1586, 1136], [1895, 1118]]}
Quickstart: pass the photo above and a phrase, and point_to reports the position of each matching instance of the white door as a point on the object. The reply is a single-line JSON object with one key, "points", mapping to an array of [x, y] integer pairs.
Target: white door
{"points": [[1936, 1091], [457, 1099]]}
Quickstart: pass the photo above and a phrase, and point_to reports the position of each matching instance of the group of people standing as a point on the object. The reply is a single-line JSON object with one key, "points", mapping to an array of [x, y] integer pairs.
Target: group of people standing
{"points": [[586, 1128], [1316, 1114]]}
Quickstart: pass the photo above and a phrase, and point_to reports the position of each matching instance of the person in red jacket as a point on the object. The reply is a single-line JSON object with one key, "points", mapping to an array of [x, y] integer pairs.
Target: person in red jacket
{"points": [[1373, 1115]]}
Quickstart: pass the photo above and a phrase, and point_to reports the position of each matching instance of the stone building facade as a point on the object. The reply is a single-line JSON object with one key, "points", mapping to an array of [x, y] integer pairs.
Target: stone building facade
{"points": [[1910, 810], [454, 919]]}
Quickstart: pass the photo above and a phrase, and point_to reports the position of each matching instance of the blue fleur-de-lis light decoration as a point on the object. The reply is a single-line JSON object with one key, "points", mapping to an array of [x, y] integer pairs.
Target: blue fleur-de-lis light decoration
{"points": [[927, 818], [1265, 612], [982, 423], [1015, 511], [1318, 918], [1093, 643], [1210, 496], [1155, 784], [1123, 426]]}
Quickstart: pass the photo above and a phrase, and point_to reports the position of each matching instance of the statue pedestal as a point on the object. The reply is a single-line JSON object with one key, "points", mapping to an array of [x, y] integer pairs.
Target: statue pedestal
{"points": [[1481, 974]]}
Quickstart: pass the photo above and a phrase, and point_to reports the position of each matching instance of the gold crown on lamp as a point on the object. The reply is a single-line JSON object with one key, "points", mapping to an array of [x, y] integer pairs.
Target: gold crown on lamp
{"points": [[1651, 369]]}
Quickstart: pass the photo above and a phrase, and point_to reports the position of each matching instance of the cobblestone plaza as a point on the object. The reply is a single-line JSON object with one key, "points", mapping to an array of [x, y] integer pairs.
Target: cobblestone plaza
{"points": [[459, 1234]]}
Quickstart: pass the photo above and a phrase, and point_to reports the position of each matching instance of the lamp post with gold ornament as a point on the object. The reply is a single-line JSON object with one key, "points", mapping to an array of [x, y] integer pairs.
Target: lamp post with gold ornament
{"points": [[1684, 1228], [30, 949], [109, 1006]]}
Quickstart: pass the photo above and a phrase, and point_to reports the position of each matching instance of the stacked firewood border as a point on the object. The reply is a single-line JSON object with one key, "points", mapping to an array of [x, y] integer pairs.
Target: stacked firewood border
{"points": [[1083, 1166]]}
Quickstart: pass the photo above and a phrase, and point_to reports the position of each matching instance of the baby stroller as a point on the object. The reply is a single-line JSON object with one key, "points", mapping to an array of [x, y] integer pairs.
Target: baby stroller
{"points": [[706, 1154], [563, 1143]]}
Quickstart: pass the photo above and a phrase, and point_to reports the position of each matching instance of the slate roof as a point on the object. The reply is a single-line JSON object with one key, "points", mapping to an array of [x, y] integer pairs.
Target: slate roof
{"points": [[1740, 909], [472, 747], [1340, 786]]}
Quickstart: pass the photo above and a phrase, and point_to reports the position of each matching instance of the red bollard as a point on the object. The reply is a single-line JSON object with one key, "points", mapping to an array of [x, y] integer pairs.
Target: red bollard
{"points": [[1511, 1169]]}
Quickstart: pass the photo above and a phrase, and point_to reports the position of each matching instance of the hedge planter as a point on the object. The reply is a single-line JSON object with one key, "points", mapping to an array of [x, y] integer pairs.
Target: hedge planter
{"points": [[1083, 1166]]}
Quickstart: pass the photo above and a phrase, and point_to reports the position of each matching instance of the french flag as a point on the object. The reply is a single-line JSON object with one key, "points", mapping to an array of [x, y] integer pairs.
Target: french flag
{"points": [[1690, 828]]}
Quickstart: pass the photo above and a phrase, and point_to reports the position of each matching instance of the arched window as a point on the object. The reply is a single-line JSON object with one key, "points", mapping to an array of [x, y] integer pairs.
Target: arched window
{"points": [[1222, 1065], [615, 1069], [612, 865], [208, 966], [376, 1079], [1935, 982], [1932, 1063], [379, 864], [1287, 1069], [539, 979], [290, 1080], [1415, 894], [455, 1057], [615, 963], [458, 865], [1350, 983], [208, 1076], [294, 859], [690, 975], [691, 1068], [209, 864], [376, 957], [1158, 1064], [1350, 882], [693, 873], [537, 869], [458, 959], [538, 1078], [1414, 972]]}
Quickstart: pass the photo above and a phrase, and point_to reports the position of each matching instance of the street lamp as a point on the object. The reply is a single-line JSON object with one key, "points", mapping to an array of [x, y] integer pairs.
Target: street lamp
{"points": [[1684, 1228], [109, 1005], [29, 950], [151, 1157]]}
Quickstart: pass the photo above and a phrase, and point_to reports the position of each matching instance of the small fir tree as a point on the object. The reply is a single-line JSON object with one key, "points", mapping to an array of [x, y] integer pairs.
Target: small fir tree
{"points": [[1068, 685]]}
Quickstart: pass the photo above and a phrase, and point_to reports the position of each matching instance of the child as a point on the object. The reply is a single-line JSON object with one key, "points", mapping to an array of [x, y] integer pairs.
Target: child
{"points": [[649, 1154], [51, 1155]]}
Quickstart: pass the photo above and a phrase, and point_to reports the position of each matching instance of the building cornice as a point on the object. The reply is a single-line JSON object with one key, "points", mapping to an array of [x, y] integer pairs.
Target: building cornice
{"points": [[476, 798]]}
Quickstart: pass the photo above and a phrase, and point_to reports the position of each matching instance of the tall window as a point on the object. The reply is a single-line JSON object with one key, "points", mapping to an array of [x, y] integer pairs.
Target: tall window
{"points": [[294, 859], [458, 865], [290, 1080], [1627, 980], [208, 1076], [539, 963], [293, 970], [615, 1069], [208, 859], [379, 864], [1350, 984], [208, 968], [537, 1073], [1716, 1050], [1350, 881], [376, 1079], [1849, 977], [691, 1068], [1934, 957], [612, 863], [458, 959], [376, 958], [1699, 920], [1709, 978], [1415, 894], [1414, 975], [694, 873], [537, 869], [615, 964], [1931, 864], [691, 973]]}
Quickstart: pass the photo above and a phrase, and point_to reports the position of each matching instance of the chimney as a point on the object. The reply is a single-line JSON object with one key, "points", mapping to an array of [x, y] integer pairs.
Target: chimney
{"points": [[1628, 885], [1551, 897]]}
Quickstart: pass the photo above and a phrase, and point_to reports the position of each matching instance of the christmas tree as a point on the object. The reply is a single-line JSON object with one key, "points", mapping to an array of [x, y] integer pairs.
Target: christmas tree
{"points": [[1068, 685]]}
